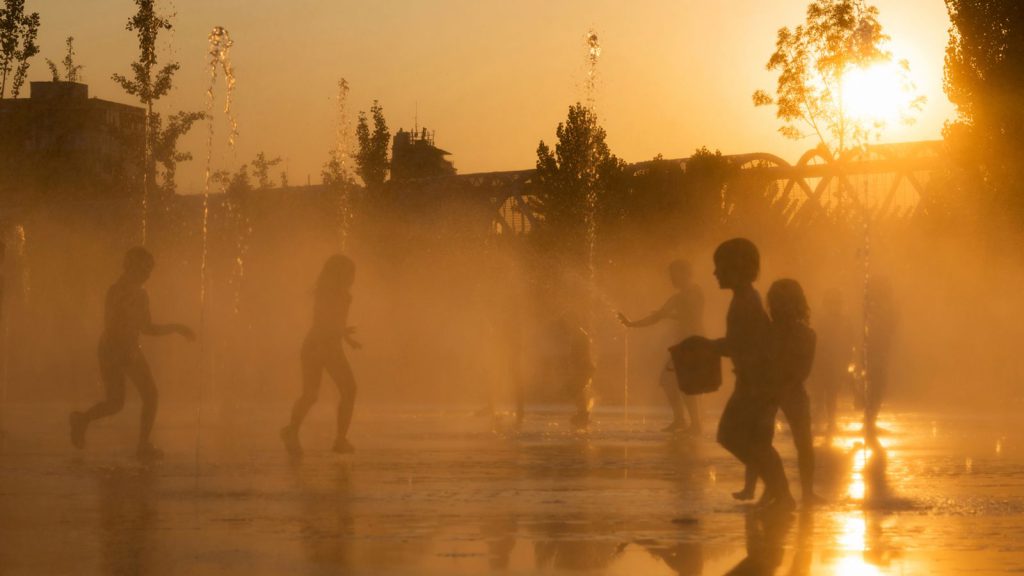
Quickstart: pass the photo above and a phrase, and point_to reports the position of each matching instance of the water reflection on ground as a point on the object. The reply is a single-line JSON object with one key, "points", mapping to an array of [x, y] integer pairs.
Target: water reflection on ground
{"points": [[433, 492]]}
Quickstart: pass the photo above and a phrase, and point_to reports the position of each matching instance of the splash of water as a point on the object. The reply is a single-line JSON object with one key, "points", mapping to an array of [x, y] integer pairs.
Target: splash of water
{"points": [[147, 154], [593, 55], [219, 62], [341, 154]]}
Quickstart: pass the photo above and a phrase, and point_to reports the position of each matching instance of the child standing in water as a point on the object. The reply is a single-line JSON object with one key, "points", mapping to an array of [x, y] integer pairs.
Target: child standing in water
{"points": [[747, 423], [685, 309], [832, 359], [323, 350], [880, 326], [579, 371], [126, 316], [791, 346]]}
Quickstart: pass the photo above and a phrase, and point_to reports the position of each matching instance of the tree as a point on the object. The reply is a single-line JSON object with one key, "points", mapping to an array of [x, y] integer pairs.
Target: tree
{"points": [[149, 83], [261, 169], [581, 165], [814, 59], [333, 173], [984, 78], [372, 157], [17, 44], [146, 85], [72, 71], [165, 144]]}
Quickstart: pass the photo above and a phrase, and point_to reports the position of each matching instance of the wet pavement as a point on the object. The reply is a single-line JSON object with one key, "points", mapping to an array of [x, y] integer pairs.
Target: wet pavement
{"points": [[446, 492]]}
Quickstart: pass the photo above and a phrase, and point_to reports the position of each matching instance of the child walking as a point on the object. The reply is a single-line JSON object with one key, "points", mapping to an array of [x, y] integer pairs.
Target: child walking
{"points": [[323, 350]]}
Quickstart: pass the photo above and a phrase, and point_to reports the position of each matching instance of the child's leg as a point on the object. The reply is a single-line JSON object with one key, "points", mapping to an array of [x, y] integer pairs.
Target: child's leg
{"points": [[749, 485], [796, 407], [112, 373], [874, 394], [312, 368], [583, 401], [733, 429], [765, 458], [693, 408], [341, 372], [142, 377], [667, 381]]}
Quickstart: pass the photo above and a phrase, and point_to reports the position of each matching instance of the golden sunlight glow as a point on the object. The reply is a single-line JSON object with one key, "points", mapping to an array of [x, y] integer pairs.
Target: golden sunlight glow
{"points": [[851, 539], [854, 566], [878, 94]]}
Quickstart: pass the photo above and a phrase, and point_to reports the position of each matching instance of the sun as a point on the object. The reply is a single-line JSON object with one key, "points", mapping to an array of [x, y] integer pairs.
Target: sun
{"points": [[879, 94]]}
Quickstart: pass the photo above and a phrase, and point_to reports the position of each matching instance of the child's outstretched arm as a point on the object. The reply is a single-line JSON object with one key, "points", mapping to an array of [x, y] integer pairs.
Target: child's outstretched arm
{"points": [[651, 319], [148, 328]]}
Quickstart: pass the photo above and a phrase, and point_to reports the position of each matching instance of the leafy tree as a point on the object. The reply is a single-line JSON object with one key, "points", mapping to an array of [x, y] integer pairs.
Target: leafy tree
{"points": [[235, 185], [984, 78], [812, 61], [72, 71], [165, 144], [581, 165], [149, 82], [147, 85], [334, 173], [18, 33], [372, 157], [261, 169]]}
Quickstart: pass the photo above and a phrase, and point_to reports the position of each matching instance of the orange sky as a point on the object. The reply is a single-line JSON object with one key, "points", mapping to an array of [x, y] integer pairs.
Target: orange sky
{"points": [[492, 78]]}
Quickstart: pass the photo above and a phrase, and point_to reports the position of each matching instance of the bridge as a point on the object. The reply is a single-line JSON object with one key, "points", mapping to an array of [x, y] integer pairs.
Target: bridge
{"points": [[879, 182]]}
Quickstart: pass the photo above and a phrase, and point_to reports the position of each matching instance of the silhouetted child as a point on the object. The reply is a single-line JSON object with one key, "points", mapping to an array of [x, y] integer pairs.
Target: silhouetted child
{"points": [[832, 359], [685, 309], [323, 350], [580, 367], [126, 316], [791, 345], [880, 320], [747, 424]]}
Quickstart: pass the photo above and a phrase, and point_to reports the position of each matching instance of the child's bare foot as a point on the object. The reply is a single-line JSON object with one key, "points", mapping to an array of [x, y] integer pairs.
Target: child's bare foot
{"points": [[148, 453], [342, 446], [784, 504], [290, 437], [812, 499], [580, 420], [744, 495], [675, 426], [78, 424]]}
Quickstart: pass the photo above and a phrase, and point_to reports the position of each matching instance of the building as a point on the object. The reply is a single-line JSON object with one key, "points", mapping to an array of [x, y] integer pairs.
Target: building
{"points": [[61, 144], [414, 156]]}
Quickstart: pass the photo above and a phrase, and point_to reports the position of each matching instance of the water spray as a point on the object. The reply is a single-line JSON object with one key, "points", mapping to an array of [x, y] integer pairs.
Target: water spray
{"points": [[219, 61]]}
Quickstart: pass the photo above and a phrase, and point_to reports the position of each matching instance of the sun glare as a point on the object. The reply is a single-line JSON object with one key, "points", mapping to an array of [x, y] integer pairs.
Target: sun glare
{"points": [[877, 94]]}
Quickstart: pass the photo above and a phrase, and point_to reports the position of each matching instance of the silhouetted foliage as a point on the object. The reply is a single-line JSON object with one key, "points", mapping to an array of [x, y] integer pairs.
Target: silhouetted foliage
{"points": [[261, 166], [581, 163], [236, 184], [149, 83], [984, 78], [372, 157], [149, 88], [72, 71], [18, 33], [334, 173], [669, 201], [812, 59], [164, 143]]}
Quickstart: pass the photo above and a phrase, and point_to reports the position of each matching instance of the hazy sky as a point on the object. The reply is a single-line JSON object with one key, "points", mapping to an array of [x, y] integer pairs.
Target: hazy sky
{"points": [[491, 77]]}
